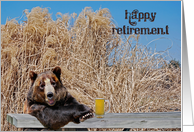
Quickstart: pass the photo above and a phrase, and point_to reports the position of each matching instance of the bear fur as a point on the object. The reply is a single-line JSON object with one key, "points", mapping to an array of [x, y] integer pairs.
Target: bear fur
{"points": [[50, 102]]}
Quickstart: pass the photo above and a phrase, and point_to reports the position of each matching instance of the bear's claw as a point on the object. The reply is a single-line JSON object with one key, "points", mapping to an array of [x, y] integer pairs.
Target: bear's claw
{"points": [[86, 116]]}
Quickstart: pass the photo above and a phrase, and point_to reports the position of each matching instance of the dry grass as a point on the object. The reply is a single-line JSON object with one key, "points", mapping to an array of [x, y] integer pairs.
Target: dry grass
{"points": [[94, 62]]}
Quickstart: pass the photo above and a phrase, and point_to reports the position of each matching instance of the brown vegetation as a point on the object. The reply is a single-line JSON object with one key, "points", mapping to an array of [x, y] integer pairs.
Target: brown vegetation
{"points": [[95, 63]]}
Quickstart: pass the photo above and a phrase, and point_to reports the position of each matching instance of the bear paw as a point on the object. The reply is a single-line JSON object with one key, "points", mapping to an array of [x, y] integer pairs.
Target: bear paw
{"points": [[86, 116], [35, 109]]}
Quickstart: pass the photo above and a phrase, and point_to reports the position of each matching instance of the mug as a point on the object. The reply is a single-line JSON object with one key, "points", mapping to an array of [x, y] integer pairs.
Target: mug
{"points": [[99, 107]]}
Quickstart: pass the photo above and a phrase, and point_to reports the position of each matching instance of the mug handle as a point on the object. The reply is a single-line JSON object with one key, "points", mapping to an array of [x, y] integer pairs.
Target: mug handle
{"points": [[108, 106]]}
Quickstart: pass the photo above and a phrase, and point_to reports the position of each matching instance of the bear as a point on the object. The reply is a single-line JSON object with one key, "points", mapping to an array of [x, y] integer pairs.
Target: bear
{"points": [[51, 103]]}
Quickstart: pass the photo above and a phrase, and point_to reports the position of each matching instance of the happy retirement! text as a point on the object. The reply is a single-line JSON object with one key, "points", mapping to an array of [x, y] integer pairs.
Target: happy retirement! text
{"points": [[137, 16]]}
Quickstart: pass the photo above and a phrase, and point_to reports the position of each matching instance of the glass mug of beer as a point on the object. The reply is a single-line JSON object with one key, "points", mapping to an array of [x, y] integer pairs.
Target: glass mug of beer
{"points": [[99, 107]]}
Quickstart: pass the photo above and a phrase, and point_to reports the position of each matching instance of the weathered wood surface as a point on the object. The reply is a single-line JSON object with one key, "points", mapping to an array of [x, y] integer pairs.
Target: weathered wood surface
{"points": [[111, 120]]}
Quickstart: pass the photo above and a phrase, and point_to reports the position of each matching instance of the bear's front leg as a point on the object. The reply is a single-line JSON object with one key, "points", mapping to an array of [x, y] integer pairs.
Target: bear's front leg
{"points": [[83, 112], [51, 117], [56, 117]]}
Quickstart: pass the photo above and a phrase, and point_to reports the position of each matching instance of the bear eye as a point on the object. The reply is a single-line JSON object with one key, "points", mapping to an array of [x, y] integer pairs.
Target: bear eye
{"points": [[42, 86], [53, 83]]}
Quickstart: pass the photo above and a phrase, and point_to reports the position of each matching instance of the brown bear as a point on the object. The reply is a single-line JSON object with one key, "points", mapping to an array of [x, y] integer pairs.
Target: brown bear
{"points": [[50, 102]]}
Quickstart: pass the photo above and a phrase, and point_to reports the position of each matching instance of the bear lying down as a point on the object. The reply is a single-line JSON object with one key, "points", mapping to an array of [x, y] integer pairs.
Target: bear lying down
{"points": [[50, 102]]}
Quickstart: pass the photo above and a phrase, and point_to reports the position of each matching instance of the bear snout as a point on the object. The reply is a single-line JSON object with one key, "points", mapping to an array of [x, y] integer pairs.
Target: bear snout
{"points": [[50, 95]]}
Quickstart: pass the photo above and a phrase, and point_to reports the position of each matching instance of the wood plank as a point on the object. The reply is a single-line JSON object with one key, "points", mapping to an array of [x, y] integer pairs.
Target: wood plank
{"points": [[111, 120]]}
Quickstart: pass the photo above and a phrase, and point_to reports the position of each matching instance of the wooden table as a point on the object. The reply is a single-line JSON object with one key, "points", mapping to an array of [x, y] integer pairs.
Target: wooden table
{"points": [[111, 120]]}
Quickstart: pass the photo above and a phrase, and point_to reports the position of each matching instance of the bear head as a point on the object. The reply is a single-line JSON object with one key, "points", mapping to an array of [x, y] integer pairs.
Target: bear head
{"points": [[46, 87]]}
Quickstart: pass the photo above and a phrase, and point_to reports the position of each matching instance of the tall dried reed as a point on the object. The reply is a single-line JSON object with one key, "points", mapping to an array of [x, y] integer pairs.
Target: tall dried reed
{"points": [[94, 62]]}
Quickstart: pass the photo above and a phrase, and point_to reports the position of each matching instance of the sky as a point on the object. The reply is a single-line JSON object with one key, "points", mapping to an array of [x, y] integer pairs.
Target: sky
{"points": [[168, 13]]}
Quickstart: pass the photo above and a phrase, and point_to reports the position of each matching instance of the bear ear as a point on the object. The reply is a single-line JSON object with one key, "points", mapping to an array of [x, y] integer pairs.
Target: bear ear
{"points": [[33, 75], [57, 72]]}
